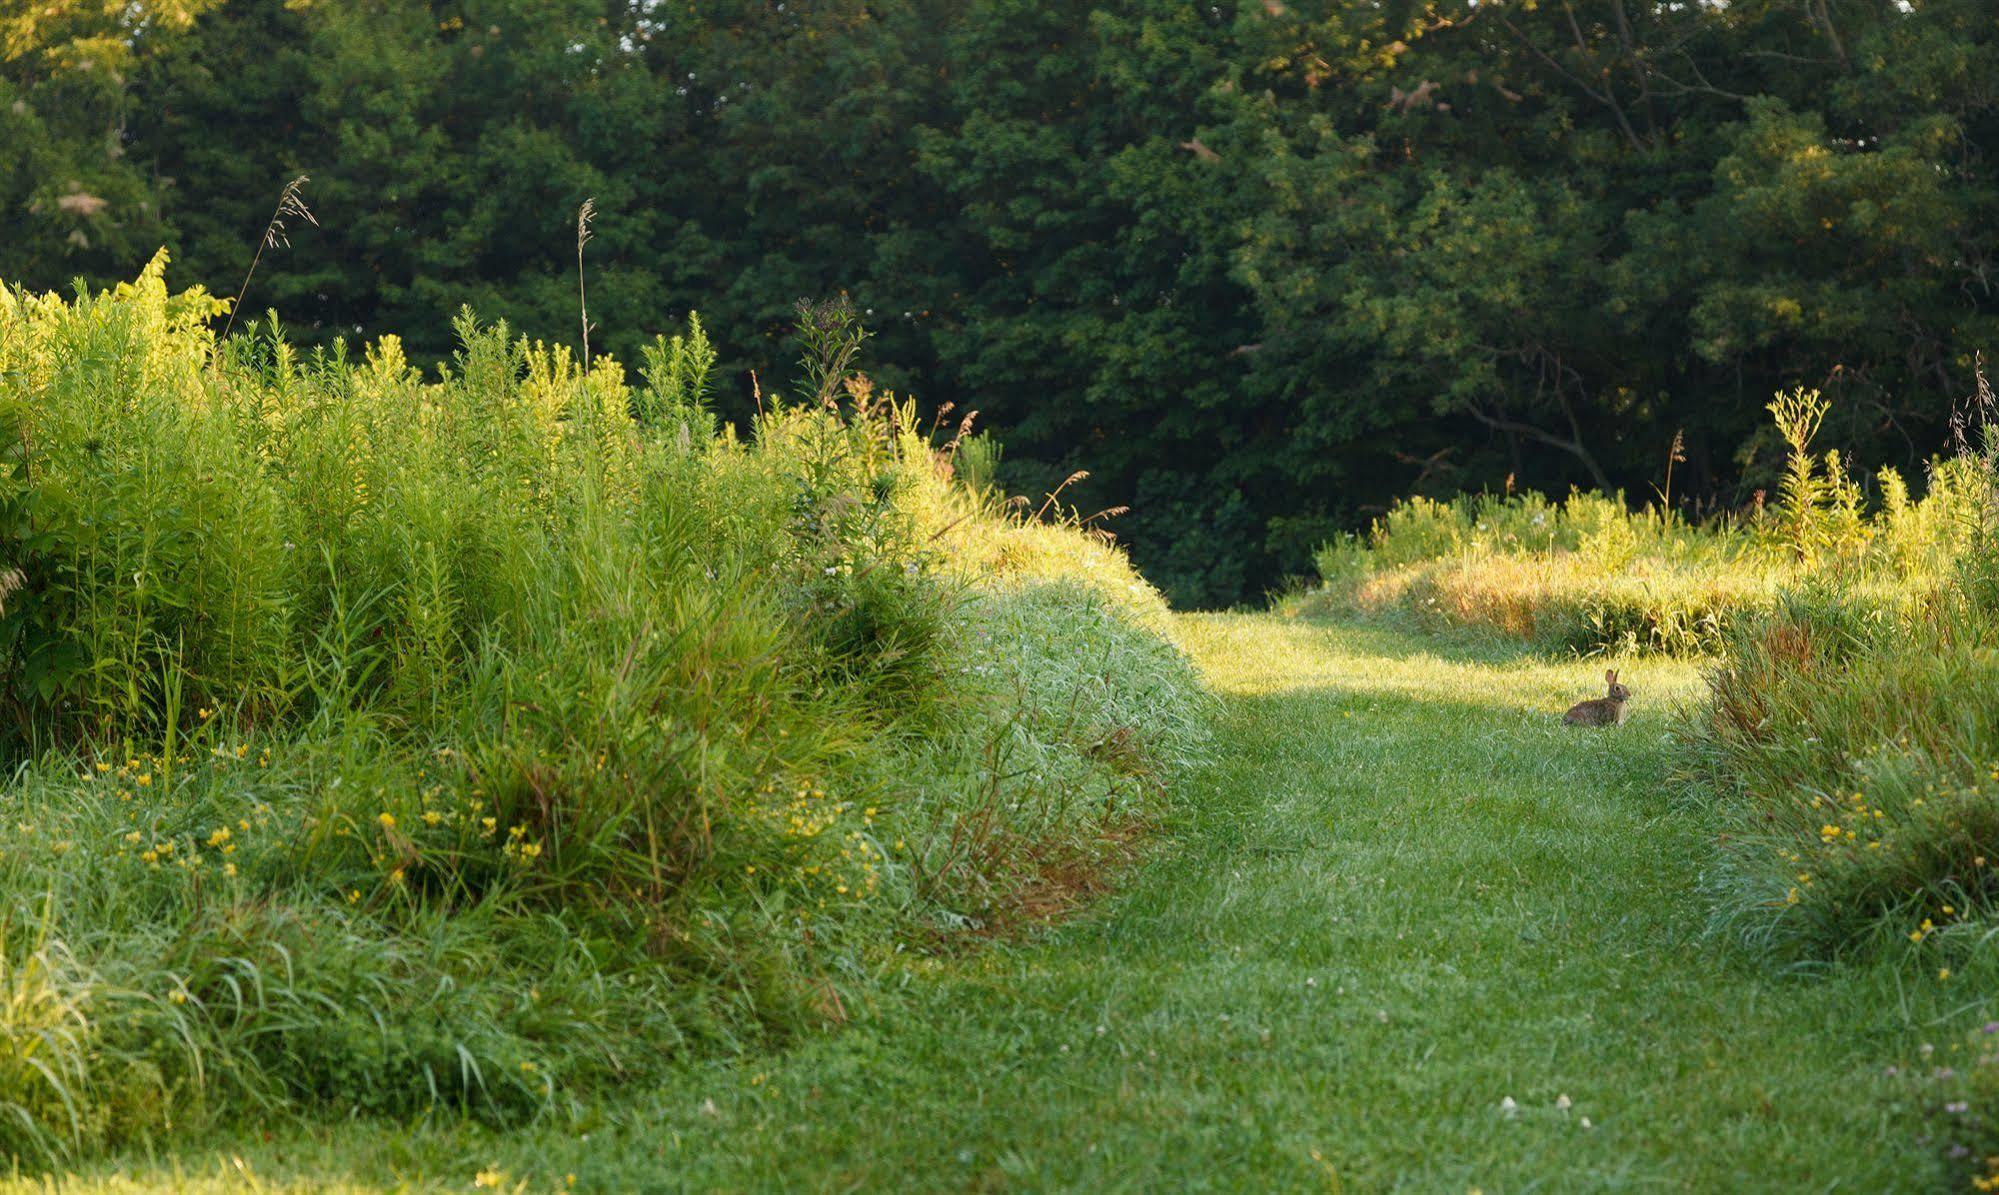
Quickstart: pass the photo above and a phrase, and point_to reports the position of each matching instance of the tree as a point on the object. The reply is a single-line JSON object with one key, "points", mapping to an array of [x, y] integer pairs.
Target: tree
{"points": [[1260, 267], [71, 201]]}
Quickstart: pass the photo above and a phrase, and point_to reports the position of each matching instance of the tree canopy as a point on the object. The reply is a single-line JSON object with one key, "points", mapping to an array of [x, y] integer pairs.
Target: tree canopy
{"points": [[1258, 266]]}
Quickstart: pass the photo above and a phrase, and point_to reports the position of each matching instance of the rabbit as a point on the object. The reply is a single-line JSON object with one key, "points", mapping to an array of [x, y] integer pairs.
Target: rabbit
{"points": [[1604, 711]]}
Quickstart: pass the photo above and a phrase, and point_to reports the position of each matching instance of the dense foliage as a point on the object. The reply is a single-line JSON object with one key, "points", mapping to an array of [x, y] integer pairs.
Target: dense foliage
{"points": [[378, 743], [1261, 267], [1857, 751]]}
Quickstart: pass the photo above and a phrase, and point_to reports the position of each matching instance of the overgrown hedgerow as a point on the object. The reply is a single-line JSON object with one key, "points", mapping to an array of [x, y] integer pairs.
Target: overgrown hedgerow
{"points": [[1853, 765], [378, 742]]}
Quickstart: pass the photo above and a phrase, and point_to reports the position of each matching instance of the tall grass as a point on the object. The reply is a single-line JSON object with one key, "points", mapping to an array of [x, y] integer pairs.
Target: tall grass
{"points": [[1588, 573], [1858, 756], [384, 742], [1852, 761]]}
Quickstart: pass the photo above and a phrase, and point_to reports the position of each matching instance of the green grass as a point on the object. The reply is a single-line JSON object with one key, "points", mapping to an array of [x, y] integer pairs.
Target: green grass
{"points": [[1401, 893]]}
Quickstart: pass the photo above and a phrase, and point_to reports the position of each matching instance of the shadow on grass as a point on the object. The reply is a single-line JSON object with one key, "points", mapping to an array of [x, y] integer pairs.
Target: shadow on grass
{"points": [[1457, 640], [1397, 639]]}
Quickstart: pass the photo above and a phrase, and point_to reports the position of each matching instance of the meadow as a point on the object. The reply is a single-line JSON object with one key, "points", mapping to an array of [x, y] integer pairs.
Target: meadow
{"points": [[1403, 932], [518, 778]]}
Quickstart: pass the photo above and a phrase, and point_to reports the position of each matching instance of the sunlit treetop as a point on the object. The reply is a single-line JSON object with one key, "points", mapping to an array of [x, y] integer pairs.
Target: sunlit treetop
{"points": [[50, 36]]}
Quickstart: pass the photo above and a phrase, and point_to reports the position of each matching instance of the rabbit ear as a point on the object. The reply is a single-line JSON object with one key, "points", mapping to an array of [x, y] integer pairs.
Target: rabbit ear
{"points": [[1610, 676]]}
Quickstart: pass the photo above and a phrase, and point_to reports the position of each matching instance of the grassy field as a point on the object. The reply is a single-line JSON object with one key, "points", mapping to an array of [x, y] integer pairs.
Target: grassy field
{"points": [[1400, 896]]}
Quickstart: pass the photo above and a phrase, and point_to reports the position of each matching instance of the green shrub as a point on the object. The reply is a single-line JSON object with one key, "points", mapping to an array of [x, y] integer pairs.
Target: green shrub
{"points": [[1071, 721], [386, 743]]}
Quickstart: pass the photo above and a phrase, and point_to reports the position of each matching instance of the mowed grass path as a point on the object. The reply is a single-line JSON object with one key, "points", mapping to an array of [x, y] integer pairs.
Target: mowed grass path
{"points": [[1402, 894]]}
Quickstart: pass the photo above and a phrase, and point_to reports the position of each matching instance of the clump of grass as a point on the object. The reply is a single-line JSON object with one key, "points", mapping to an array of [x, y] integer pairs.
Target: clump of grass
{"points": [[1583, 574], [393, 743]]}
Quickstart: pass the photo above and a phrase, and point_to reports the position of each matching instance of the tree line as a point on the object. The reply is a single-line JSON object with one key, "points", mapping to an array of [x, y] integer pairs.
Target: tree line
{"points": [[1260, 266]]}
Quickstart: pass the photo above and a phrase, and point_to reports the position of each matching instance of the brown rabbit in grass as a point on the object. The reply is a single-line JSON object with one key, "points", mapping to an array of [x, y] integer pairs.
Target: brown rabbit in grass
{"points": [[1604, 711]]}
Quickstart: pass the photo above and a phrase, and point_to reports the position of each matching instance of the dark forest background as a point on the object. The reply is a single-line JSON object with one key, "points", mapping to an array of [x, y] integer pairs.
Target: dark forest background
{"points": [[1260, 267]]}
